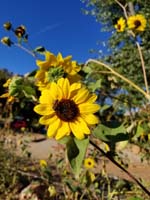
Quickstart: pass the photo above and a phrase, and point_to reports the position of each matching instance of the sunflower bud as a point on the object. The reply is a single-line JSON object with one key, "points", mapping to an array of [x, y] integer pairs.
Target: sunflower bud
{"points": [[20, 31], [6, 41], [7, 26]]}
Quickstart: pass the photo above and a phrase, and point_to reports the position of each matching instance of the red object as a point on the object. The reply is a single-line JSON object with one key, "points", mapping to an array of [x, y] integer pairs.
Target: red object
{"points": [[19, 124]]}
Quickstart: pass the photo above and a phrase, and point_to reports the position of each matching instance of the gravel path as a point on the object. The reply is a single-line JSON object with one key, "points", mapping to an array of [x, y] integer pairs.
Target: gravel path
{"points": [[41, 147]]}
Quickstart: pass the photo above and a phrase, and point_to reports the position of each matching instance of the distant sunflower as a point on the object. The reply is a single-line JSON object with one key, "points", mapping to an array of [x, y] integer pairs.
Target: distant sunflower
{"points": [[121, 24], [89, 163], [137, 22], [67, 109]]}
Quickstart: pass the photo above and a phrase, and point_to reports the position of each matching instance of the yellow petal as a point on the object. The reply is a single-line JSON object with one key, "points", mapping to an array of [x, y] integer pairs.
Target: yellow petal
{"points": [[92, 99], [59, 58], [40, 75], [50, 61], [77, 132], [83, 126], [46, 97], [74, 89], [75, 86], [87, 108], [81, 96], [65, 86], [42, 64], [55, 91], [43, 109], [90, 119], [5, 95], [52, 129], [62, 131], [47, 119]]}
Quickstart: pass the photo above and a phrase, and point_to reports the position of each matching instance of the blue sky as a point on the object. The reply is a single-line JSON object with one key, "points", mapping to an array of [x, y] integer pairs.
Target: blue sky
{"points": [[58, 25]]}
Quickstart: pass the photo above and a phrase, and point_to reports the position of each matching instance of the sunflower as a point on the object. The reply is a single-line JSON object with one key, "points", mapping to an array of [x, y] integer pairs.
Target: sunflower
{"points": [[120, 26], [54, 67], [67, 109], [137, 22], [89, 163]]}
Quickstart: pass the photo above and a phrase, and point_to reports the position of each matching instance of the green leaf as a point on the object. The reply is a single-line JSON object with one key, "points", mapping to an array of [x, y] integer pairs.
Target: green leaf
{"points": [[108, 134], [95, 85], [87, 69], [28, 91], [139, 131], [135, 198], [70, 185], [76, 150], [65, 140], [39, 49]]}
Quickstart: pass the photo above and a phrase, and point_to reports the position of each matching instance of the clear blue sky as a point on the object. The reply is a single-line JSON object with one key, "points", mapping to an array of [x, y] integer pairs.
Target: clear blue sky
{"points": [[58, 25]]}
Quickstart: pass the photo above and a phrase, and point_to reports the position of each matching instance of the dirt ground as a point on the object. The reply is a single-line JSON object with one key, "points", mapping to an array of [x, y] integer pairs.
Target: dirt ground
{"points": [[41, 147]]}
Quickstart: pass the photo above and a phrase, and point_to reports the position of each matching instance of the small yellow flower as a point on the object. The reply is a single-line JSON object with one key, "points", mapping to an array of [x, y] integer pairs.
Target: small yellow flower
{"points": [[137, 22], [121, 24], [89, 163], [43, 163], [67, 109], [52, 191]]}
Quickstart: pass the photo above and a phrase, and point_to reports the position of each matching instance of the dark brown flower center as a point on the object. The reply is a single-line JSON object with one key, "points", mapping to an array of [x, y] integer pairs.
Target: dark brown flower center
{"points": [[89, 163], [137, 23], [119, 27], [66, 110]]}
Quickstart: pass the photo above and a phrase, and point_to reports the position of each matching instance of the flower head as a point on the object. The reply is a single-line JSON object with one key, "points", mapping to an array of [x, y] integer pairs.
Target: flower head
{"points": [[120, 26], [89, 163], [7, 26], [55, 67], [67, 109], [20, 31], [137, 22], [6, 41]]}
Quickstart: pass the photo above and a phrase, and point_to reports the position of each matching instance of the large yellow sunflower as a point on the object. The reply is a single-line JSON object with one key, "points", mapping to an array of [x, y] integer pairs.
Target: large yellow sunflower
{"points": [[137, 22], [55, 66], [121, 24], [67, 109]]}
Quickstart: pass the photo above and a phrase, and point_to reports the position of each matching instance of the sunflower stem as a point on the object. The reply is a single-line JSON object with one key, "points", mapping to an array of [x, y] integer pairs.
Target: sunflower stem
{"points": [[143, 67], [25, 49], [120, 76], [107, 155]]}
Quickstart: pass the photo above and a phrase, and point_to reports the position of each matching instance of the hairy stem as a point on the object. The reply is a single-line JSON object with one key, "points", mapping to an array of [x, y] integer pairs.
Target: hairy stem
{"points": [[143, 67]]}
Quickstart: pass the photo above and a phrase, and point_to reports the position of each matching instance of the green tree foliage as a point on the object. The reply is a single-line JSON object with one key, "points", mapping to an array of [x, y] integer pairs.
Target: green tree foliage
{"points": [[124, 54]]}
